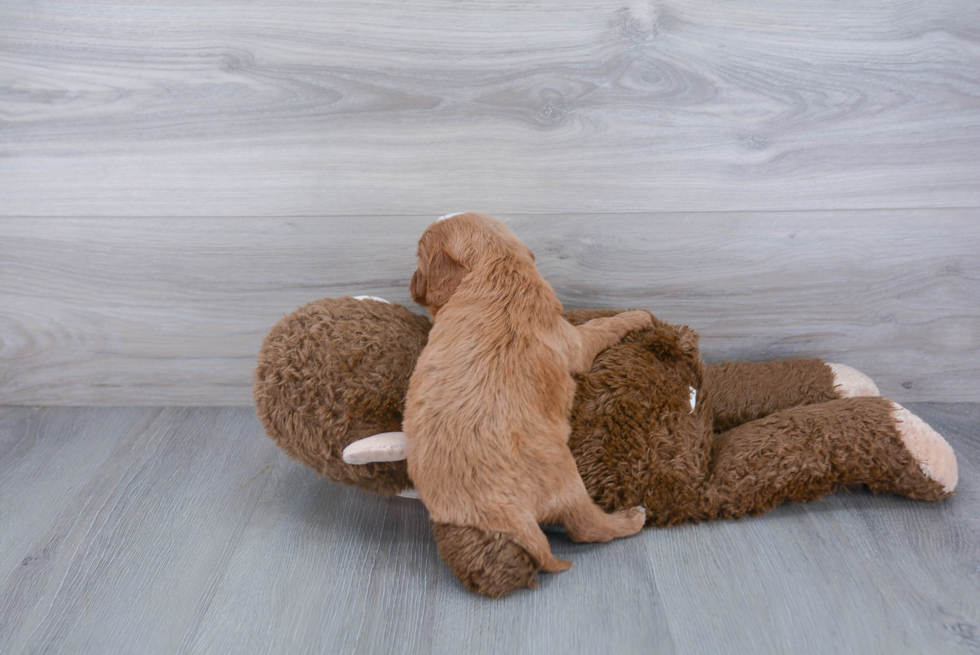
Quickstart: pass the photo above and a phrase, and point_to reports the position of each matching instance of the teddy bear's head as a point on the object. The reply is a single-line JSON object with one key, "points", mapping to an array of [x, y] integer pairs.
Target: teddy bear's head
{"points": [[334, 372]]}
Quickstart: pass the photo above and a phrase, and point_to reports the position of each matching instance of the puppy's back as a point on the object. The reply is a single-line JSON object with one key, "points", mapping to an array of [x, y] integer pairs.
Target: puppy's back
{"points": [[489, 399]]}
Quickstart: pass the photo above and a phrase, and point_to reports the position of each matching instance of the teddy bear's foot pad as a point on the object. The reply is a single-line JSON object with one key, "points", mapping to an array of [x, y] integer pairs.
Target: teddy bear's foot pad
{"points": [[930, 450], [852, 383]]}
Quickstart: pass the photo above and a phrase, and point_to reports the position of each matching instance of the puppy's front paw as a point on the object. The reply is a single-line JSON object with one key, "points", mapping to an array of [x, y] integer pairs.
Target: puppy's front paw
{"points": [[635, 320]]}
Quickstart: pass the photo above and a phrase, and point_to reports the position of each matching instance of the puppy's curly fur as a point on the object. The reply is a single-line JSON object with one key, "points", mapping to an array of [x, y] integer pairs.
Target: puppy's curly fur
{"points": [[486, 415]]}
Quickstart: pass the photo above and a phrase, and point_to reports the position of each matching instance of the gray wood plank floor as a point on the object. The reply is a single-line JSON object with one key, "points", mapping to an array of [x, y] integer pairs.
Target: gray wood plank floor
{"points": [[184, 530]]}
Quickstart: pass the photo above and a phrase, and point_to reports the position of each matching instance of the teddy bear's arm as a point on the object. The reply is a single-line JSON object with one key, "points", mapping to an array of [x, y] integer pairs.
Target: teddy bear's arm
{"points": [[744, 391]]}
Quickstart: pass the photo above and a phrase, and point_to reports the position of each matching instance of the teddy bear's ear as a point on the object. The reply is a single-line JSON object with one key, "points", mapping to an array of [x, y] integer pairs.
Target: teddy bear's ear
{"points": [[488, 563]]}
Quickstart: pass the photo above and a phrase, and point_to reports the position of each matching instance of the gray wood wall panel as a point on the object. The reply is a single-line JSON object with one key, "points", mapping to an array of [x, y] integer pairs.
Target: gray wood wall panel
{"points": [[187, 531], [353, 107], [173, 310]]}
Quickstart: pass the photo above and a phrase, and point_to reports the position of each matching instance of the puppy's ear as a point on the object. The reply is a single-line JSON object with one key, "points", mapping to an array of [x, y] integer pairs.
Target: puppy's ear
{"points": [[443, 274], [418, 287]]}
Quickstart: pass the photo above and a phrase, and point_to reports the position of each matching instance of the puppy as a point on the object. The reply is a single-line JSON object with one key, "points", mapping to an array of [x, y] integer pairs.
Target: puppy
{"points": [[486, 415]]}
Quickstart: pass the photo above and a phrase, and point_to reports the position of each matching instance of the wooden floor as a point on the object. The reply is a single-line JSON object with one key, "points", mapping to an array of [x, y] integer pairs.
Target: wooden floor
{"points": [[184, 530]]}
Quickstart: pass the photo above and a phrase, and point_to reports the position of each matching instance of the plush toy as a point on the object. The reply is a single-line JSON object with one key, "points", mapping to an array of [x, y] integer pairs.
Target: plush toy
{"points": [[652, 425]]}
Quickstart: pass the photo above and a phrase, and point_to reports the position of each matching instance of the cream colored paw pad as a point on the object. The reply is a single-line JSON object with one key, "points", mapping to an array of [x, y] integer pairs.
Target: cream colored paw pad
{"points": [[852, 383], [930, 450]]}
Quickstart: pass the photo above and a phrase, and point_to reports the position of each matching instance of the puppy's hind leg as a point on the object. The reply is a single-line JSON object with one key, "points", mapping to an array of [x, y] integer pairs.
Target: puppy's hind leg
{"points": [[585, 521], [529, 535]]}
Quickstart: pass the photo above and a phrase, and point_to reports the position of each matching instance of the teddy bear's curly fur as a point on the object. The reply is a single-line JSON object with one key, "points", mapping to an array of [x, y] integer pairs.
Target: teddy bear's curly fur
{"points": [[760, 434], [333, 372]]}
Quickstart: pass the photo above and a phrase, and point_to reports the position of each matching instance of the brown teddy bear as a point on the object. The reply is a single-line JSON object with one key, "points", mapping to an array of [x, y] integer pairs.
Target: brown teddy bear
{"points": [[652, 425]]}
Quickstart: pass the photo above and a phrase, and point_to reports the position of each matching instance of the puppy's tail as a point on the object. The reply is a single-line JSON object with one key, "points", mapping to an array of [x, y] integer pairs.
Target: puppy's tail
{"points": [[488, 563]]}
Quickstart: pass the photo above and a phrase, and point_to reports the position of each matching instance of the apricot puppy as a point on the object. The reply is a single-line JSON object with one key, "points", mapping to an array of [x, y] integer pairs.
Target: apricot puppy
{"points": [[486, 416]]}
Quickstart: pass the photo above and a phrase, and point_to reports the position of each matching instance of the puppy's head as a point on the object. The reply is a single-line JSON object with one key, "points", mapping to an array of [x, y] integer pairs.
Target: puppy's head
{"points": [[452, 247]]}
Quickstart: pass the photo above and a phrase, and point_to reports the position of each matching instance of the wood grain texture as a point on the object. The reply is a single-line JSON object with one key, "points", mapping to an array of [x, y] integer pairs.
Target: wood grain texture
{"points": [[156, 311], [852, 573], [131, 562], [184, 530], [354, 107], [45, 458]]}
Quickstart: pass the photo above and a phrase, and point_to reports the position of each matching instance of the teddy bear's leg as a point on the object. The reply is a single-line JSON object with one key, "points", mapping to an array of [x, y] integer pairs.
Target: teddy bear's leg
{"points": [[933, 453], [740, 392], [805, 452], [852, 383]]}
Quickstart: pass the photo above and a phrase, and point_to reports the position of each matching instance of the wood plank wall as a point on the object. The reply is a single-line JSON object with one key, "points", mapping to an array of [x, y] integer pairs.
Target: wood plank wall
{"points": [[789, 179], [173, 310]]}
